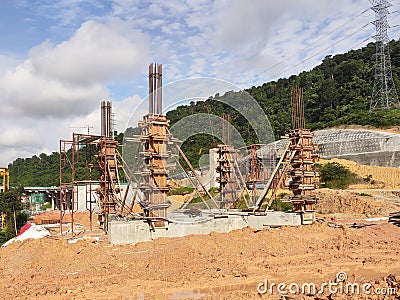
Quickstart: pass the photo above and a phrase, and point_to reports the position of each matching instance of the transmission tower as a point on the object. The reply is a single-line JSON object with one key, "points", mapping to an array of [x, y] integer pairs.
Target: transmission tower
{"points": [[384, 95]]}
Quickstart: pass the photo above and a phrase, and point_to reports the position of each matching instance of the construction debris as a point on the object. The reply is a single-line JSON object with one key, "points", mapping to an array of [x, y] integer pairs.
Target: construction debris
{"points": [[394, 218]]}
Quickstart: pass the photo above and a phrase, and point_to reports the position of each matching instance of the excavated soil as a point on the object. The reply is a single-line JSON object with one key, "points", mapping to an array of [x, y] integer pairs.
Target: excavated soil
{"points": [[357, 203], [214, 266]]}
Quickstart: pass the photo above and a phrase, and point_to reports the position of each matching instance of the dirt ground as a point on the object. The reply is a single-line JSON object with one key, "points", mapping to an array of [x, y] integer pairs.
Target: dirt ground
{"points": [[357, 203], [236, 265], [214, 266]]}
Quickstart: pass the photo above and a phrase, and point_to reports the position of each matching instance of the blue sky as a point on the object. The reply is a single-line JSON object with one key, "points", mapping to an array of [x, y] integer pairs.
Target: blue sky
{"points": [[60, 58]]}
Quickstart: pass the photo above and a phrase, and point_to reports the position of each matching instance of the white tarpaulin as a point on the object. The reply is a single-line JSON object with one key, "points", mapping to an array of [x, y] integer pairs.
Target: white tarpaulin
{"points": [[34, 232]]}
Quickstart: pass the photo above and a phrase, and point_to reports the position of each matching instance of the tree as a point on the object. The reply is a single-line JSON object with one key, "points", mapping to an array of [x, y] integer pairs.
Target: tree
{"points": [[10, 204]]}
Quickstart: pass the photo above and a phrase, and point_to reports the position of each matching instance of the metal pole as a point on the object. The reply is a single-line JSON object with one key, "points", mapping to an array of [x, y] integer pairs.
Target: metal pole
{"points": [[159, 89], [151, 107], [154, 88], [109, 113], [103, 118]]}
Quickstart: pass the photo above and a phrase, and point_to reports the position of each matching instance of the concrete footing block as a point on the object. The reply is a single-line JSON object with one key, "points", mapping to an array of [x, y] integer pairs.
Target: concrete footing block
{"points": [[131, 232], [121, 232]]}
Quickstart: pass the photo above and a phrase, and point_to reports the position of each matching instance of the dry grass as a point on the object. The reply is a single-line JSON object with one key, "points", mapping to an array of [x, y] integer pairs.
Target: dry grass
{"points": [[382, 177]]}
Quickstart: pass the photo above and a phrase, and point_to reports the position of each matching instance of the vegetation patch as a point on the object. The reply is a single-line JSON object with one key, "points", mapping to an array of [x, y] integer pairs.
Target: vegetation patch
{"points": [[365, 194], [10, 205], [336, 176], [184, 190]]}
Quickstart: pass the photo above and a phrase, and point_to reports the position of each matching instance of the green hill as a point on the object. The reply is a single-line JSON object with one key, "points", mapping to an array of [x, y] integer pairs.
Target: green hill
{"points": [[336, 92]]}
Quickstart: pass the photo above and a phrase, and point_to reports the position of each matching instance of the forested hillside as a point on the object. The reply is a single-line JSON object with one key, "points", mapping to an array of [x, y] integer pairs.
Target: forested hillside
{"points": [[42, 170], [336, 92]]}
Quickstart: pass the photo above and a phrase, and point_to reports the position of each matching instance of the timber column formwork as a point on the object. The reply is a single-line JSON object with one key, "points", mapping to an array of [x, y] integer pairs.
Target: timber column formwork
{"points": [[108, 166], [302, 176], [227, 182], [230, 185], [109, 182], [254, 170], [154, 140]]}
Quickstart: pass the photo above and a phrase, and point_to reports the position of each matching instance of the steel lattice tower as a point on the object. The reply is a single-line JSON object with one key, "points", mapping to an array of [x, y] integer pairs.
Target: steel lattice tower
{"points": [[384, 95]]}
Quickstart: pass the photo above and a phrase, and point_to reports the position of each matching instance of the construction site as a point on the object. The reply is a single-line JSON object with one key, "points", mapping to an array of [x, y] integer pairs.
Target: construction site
{"points": [[139, 209], [268, 192], [123, 234]]}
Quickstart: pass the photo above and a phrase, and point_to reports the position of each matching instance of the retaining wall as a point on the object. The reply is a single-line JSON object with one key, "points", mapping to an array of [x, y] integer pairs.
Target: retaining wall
{"points": [[365, 147]]}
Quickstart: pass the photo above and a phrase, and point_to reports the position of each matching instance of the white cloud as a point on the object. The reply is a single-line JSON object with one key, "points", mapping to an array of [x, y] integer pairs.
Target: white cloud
{"points": [[128, 112], [197, 68], [155, 10], [70, 78], [29, 136], [61, 86], [174, 7], [96, 52], [250, 39], [25, 137], [16, 136], [25, 92]]}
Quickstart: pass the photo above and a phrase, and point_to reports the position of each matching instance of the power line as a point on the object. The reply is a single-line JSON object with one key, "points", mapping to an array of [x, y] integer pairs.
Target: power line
{"points": [[394, 31], [313, 43], [323, 50], [397, 12]]}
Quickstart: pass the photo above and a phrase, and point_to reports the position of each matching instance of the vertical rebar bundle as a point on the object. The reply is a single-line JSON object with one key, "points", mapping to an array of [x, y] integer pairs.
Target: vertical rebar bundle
{"points": [[384, 95], [226, 129], [106, 119], [155, 90]]}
